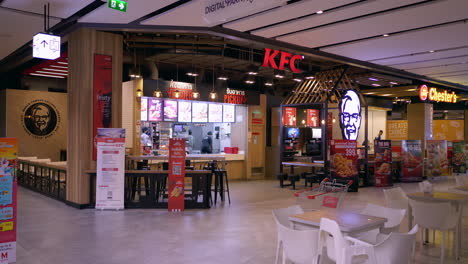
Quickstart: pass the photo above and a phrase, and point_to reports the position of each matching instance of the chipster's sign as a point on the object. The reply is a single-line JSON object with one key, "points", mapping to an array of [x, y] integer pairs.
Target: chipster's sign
{"points": [[434, 95]]}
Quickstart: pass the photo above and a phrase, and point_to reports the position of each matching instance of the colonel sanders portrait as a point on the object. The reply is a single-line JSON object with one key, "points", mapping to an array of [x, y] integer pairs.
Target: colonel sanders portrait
{"points": [[40, 119], [350, 115]]}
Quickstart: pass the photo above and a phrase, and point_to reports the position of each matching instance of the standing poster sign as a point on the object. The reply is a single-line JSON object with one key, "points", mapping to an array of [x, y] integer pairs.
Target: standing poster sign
{"points": [[343, 157], [412, 160], [102, 93], [459, 157], [110, 168], [383, 163], [437, 159], [8, 199], [176, 174]]}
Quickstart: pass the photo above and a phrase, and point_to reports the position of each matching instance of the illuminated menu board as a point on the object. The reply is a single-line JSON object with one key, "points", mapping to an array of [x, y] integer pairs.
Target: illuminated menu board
{"points": [[199, 112], [215, 113], [144, 109], [155, 109], [185, 111], [229, 112], [170, 110]]}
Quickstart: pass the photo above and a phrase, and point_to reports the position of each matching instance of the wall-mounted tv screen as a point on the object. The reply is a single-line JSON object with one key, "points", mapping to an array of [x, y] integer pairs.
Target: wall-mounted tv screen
{"points": [[293, 132], [316, 133], [178, 128]]}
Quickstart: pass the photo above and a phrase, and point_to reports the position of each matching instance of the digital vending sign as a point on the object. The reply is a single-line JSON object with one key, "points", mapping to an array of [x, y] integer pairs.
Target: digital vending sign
{"points": [[170, 110], [155, 109], [185, 111]]}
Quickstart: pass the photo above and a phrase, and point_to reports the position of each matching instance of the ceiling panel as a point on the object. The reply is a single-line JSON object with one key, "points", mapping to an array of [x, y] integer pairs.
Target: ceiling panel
{"points": [[332, 16], [189, 14], [135, 10], [396, 21], [441, 69], [442, 37], [412, 58], [25, 27], [457, 79], [432, 63], [58, 8], [284, 13]]}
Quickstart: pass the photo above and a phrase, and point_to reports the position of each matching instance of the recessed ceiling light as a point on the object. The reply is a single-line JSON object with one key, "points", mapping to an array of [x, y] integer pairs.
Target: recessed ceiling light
{"points": [[56, 73], [411, 90], [394, 83], [57, 66], [376, 84], [268, 84], [47, 75], [58, 70], [297, 80], [320, 12], [62, 62], [374, 79], [370, 93], [386, 35], [431, 51], [387, 94], [279, 76]]}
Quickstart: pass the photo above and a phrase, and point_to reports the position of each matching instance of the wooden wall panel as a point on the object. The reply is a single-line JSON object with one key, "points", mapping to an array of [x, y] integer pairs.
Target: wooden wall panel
{"points": [[256, 140], [82, 46]]}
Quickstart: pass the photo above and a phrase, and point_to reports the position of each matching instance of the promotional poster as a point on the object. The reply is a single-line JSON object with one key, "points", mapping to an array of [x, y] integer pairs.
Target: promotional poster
{"points": [[8, 199], [176, 174], [437, 160], [383, 163], [459, 157], [412, 160], [289, 116], [343, 158], [313, 117]]}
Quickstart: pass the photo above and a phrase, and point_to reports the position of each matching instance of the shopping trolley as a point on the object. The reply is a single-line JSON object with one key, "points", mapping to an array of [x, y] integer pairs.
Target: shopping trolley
{"points": [[329, 194]]}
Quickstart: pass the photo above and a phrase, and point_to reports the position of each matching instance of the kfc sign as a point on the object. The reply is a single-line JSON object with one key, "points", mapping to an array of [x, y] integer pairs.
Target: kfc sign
{"points": [[285, 58], [434, 95]]}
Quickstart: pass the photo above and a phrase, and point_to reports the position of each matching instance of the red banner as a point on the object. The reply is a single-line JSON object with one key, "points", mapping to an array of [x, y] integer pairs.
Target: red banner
{"points": [[412, 160], [176, 174], [383, 163], [102, 94], [313, 117], [343, 161], [289, 116]]}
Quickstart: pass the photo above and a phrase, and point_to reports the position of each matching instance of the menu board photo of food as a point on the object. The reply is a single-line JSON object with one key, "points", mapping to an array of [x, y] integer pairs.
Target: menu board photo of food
{"points": [[412, 160], [343, 157], [229, 113], [199, 112], [459, 157], [144, 109], [215, 113], [383, 163], [185, 111], [437, 159], [170, 110], [155, 109]]}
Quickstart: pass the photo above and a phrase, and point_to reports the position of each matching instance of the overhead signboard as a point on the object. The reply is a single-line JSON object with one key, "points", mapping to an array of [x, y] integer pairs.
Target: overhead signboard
{"points": [[117, 5], [46, 46], [279, 59], [436, 95]]}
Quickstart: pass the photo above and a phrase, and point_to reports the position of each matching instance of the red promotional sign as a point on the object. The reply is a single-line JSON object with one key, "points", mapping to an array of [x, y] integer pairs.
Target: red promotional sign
{"points": [[176, 174], [343, 157], [313, 117], [289, 116], [383, 163], [412, 160], [102, 94], [330, 126]]}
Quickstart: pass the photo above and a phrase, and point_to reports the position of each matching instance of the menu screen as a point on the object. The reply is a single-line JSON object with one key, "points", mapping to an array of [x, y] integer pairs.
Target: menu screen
{"points": [[229, 113], [144, 109], [170, 110], [199, 112], [215, 113], [185, 111], [155, 109]]}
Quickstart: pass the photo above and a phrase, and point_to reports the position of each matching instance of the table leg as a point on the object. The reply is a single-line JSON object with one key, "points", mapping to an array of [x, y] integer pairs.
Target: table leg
{"points": [[410, 217]]}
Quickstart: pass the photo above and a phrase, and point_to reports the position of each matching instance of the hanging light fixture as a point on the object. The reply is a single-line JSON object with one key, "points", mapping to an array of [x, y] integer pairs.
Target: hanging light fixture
{"points": [[195, 94], [213, 93], [157, 94], [252, 69], [177, 94], [134, 72], [139, 93], [222, 75]]}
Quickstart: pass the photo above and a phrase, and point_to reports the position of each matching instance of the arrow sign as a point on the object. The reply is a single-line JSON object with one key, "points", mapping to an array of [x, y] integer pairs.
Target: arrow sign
{"points": [[118, 5], [44, 43]]}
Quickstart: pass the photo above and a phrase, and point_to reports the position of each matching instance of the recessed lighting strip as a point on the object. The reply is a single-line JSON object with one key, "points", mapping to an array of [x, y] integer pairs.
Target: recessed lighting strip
{"points": [[47, 75]]}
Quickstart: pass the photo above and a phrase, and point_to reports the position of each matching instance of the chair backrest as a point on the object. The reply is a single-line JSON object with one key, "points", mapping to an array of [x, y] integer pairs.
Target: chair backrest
{"points": [[440, 216], [461, 180], [394, 216], [396, 198], [330, 236], [282, 215], [299, 246], [396, 248]]}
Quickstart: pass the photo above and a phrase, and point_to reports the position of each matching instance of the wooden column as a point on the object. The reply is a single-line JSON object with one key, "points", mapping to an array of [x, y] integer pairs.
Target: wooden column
{"points": [[420, 122], [255, 154], [82, 46]]}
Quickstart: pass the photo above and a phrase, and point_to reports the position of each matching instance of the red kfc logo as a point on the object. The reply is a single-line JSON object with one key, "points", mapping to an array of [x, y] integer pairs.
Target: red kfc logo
{"points": [[285, 58]]}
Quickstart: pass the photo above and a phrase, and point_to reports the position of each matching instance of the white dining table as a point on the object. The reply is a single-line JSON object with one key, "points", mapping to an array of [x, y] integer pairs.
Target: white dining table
{"points": [[349, 222], [456, 199]]}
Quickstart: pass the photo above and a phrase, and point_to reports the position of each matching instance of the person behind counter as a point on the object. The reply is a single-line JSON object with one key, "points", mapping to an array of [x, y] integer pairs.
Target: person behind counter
{"points": [[145, 138], [189, 141], [207, 143]]}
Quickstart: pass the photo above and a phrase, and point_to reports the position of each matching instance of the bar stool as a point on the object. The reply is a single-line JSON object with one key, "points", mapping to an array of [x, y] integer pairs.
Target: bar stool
{"points": [[221, 177]]}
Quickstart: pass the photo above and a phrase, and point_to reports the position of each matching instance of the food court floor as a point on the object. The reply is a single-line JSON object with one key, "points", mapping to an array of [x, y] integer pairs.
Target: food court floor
{"points": [[49, 232]]}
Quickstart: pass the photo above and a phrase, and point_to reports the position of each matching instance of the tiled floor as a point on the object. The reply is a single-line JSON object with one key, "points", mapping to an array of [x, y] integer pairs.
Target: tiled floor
{"points": [[50, 232]]}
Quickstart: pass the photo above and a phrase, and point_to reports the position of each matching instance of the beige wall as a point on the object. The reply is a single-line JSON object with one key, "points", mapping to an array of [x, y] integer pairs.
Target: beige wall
{"points": [[30, 145]]}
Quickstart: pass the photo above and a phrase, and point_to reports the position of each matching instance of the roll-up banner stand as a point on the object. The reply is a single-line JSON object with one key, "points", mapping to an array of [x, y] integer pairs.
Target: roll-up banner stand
{"points": [[459, 157], [176, 174], [343, 157], [110, 169], [383, 163], [8, 199], [437, 163], [412, 161]]}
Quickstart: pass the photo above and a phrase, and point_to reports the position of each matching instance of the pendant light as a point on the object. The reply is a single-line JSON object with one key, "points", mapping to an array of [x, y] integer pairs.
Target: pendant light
{"points": [[157, 93], [139, 93], [134, 72], [213, 93], [252, 69]]}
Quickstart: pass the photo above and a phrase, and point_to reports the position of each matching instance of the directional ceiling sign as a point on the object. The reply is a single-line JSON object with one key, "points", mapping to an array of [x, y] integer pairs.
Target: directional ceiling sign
{"points": [[46, 46], [117, 5]]}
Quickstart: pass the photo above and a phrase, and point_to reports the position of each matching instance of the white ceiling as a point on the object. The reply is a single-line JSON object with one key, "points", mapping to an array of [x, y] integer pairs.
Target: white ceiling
{"points": [[349, 28]]}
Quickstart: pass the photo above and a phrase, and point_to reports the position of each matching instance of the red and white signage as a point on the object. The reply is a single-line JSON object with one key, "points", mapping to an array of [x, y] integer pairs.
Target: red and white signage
{"points": [[285, 58], [110, 169], [176, 174], [313, 117], [343, 158], [289, 116]]}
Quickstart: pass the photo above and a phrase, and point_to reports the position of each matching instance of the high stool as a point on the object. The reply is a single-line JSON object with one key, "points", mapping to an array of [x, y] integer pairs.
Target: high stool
{"points": [[291, 178], [221, 177], [136, 182]]}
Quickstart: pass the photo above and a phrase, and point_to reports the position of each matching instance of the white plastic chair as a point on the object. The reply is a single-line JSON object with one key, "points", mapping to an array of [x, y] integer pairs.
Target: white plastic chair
{"points": [[394, 219], [394, 248], [396, 198], [339, 248], [437, 216], [299, 246], [461, 180], [282, 218], [426, 187]]}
